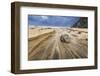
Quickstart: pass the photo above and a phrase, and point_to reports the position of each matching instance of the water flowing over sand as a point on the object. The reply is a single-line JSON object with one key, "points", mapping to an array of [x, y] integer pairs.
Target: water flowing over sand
{"points": [[45, 43]]}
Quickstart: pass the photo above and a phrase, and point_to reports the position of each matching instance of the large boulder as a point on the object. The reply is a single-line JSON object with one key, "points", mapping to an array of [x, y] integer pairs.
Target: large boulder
{"points": [[65, 38]]}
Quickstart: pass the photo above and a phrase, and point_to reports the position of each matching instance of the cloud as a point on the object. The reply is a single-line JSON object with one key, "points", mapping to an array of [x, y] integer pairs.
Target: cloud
{"points": [[66, 21], [44, 17]]}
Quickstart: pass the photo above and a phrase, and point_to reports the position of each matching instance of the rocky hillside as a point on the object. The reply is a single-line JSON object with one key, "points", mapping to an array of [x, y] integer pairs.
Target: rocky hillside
{"points": [[81, 23]]}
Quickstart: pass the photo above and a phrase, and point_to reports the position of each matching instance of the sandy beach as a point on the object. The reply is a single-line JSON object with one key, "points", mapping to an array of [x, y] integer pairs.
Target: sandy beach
{"points": [[45, 43]]}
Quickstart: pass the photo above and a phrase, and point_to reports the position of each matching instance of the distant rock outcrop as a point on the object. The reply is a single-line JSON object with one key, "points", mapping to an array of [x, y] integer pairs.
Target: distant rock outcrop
{"points": [[81, 23]]}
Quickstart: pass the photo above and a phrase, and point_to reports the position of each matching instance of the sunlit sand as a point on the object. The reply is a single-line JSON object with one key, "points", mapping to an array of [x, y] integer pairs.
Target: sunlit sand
{"points": [[45, 43]]}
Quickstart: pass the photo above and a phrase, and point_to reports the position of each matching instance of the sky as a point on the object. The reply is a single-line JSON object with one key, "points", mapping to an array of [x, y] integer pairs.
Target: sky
{"points": [[57, 21]]}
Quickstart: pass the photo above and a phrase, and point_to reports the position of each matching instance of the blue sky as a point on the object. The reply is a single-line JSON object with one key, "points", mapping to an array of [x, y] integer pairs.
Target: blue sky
{"points": [[57, 21]]}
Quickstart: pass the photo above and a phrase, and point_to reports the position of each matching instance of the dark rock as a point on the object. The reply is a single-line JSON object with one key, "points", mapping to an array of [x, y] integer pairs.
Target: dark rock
{"points": [[65, 38]]}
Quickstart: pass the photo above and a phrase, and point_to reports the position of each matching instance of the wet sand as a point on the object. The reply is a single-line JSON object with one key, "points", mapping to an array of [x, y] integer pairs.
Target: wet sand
{"points": [[45, 43]]}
